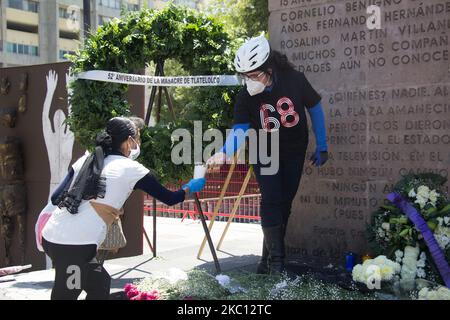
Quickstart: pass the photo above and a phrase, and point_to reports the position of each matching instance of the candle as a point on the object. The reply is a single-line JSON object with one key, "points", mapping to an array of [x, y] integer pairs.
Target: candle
{"points": [[349, 261]]}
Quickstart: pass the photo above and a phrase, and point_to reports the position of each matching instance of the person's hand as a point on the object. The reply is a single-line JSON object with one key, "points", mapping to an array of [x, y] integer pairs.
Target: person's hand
{"points": [[195, 185], [216, 161], [319, 158]]}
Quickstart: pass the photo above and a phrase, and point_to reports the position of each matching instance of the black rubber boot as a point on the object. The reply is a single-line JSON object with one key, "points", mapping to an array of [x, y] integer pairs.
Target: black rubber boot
{"points": [[263, 265], [275, 244], [283, 234]]}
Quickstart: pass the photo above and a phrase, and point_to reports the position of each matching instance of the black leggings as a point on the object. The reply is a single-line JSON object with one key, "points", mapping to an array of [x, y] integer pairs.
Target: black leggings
{"points": [[75, 272], [278, 191]]}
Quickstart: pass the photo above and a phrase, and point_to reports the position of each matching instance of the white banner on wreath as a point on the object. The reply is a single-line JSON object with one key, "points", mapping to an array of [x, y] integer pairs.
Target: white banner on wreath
{"points": [[180, 81]]}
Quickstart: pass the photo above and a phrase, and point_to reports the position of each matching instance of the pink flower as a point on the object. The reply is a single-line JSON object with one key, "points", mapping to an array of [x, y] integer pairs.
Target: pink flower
{"points": [[133, 293], [145, 296], [154, 295], [137, 297], [128, 287]]}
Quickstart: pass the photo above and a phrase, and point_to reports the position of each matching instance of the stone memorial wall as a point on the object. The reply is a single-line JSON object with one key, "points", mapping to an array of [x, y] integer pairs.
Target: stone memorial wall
{"points": [[383, 71]]}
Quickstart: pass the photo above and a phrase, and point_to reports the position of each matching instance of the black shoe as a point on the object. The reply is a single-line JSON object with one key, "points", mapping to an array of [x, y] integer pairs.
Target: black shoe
{"points": [[263, 267], [275, 244]]}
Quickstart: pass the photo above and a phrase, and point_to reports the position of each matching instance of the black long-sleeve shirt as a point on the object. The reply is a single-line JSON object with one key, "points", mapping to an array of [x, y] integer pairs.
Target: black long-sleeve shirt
{"points": [[150, 185]]}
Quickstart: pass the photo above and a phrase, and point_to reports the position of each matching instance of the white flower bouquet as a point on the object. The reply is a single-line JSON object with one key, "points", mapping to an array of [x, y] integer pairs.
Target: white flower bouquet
{"points": [[392, 232], [373, 271]]}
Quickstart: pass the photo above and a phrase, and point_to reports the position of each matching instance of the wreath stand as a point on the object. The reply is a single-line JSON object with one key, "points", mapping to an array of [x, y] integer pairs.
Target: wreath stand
{"points": [[219, 203], [159, 71]]}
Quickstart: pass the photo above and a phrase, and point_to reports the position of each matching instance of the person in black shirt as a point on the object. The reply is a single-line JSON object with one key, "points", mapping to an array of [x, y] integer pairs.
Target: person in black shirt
{"points": [[275, 99]]}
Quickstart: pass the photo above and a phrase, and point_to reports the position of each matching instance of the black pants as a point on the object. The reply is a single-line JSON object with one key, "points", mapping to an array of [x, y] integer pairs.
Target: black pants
{"points": [[278, 190], [75, 272]]}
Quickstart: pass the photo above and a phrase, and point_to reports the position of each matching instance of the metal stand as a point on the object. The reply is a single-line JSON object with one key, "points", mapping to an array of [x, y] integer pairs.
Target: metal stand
{"points": [[207, 234]]}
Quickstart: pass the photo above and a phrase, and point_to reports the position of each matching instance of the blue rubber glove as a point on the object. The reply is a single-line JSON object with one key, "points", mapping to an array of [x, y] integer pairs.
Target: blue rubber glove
{"points": [[235, 139], [195, 185], [319, 158]]}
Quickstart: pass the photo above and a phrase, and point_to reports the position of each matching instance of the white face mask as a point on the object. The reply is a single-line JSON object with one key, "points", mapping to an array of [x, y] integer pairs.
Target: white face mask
{"points": [[134, 153], [254, 87]]}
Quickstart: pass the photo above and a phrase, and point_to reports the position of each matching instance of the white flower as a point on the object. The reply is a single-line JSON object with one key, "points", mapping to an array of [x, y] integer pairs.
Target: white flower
{"points": [[421, 264], [281, 285], [421, 201], [421, 273], [379, 268], [357, 273], [176, 275], [381, 233], [398, 256], [423, 191], [223, 280], [412, 193], [442, 236], [385, 226], [441, 220], [380, 260], [442, 240], [440, 294], [433, 196], [409, 268], [446, 220], [229, 284], [423, 256]]}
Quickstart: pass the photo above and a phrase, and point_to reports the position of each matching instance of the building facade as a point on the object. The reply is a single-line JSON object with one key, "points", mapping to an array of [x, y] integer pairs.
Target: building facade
{"points": [[43, 31]]}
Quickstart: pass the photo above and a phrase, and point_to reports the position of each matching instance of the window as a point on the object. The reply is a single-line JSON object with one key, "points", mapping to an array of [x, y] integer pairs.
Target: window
{"points": [[26, 5], [133, 7], [33, 6], [64, 52], [34, 51], [64, 13], [16, 4], [9, 47], [113, 4], [22, 49]]}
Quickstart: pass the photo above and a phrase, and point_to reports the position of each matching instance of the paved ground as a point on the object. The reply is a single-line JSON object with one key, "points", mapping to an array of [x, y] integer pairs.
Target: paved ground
{"points": [[178, 244]]}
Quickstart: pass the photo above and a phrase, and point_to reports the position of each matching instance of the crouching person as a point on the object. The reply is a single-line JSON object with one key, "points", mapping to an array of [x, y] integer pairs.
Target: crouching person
{"points": [[89, 199]]}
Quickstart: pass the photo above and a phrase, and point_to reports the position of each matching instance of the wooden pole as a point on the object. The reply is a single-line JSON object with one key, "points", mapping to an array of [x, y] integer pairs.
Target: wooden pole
{"points": [[148, 240], [236, 205], [219, 202]]}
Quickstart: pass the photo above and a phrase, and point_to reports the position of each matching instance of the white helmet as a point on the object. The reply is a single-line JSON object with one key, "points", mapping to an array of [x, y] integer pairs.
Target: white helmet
{"points": [[252, 54]]}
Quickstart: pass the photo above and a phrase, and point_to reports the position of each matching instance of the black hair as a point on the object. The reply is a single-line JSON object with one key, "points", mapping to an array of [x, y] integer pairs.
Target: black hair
{"points": [[276, 61], [139, 123], [88, 183], [118, 129]]}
